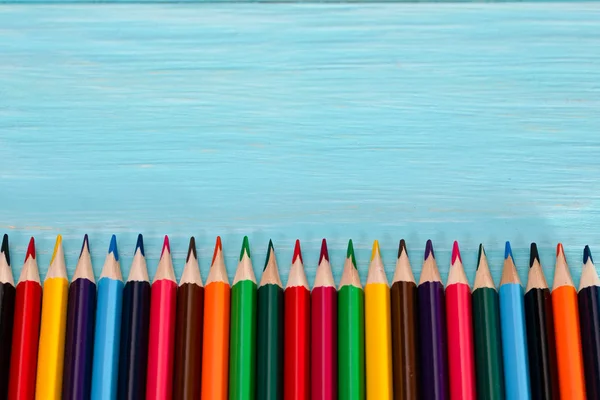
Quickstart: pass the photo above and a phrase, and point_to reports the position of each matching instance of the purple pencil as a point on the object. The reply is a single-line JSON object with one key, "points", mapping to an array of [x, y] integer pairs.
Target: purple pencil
{"points": [[79, 337], [432, 328]]}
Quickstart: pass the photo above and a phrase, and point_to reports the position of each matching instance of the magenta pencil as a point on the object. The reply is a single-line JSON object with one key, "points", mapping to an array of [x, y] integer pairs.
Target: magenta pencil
{"points": [[324, 331]]}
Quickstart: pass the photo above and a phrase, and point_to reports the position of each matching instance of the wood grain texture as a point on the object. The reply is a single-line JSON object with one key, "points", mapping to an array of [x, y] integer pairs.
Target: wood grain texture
{"points": [[469, 122]]}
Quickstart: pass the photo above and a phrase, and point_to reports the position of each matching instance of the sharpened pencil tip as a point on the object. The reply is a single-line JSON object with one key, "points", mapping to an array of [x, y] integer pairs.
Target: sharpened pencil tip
{"points": [[324, 253], [375, 250], [192, 249], [429, 250], [112, 248], [4, 248], [559, 249], [587, 254], [245, 248], [455, 252], [56, 246], [166, 246], [297, 252], [481, 253], [508, 251], [533, 255], [85, 244], [269, 250], [350, 253], [140, 245], [30, 249], [218, 247], [401, 247]]}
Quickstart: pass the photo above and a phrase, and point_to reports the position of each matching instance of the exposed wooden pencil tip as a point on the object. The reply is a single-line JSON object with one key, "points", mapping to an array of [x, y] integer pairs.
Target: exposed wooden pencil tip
{"points": [[508, 251], [166, 246], [297, 252], [4, 249], [30, 249], [245, 248], [428, 250], [559, 250], [533, 255], [270, 250], [192, 250], [324, 253], [401, 247], [587, 254], [218, 247], [140, 245], [84, 245], [350, 253], [83, 269], [481, 252], [57, 245], [455, 253], [375, 250], [112, 248]]}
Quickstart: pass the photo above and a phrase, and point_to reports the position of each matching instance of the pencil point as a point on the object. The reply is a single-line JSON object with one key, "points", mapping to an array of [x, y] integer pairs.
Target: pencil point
{"points": [[559, 249], [245, 248], [218, 247], [30, 249], [401, 247], [587, 253], [429, 250], [324, 253], [112, 248], [271, 248], [4, 248], [57, 244], [455, 252], [192, 249], [84, 245], [297, 252], [481, 252], [166, 245], [533, 255], [350, 253], [140, 245], [375, 250]]}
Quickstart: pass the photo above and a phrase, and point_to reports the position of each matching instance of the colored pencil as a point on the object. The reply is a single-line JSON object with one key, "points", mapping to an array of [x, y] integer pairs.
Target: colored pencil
{"points": [[79, 336], [269, 331], [351, 332], [405, 325], [432, 328], [26, 328], [543, 376], [108, 327], [589, 317], [569, 359], [487, 333], [215, 346], [461, 355], [378, 330], [514, 332], [52, 327], [297, 331], [135, 322], [161, 336], [242, 358], [323, 302], [188, 329], [7, 313]]}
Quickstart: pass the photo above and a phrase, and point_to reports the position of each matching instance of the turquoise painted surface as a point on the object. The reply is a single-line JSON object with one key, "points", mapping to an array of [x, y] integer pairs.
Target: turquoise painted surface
{"points": [[475, 122]]}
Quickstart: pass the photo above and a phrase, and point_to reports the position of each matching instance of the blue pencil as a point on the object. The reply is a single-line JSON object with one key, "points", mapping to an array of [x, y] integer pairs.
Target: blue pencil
{"points": [[514, 339], [108, 327]]}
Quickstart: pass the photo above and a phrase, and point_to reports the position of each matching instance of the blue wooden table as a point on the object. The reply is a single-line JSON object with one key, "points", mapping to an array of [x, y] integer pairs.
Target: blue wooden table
{"points": [[474, 122]]}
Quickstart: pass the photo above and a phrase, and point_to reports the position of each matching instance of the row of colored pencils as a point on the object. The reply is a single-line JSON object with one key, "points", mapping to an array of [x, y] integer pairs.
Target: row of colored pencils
{"points": [[163, 340]]}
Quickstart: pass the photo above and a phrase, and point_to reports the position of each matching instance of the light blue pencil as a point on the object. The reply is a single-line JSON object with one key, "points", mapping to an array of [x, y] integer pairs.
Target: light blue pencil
{"points": [[105, 366], [514, 339]]}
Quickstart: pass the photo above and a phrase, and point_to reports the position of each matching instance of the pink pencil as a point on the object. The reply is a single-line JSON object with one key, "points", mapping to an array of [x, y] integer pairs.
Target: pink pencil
{"points": [[461, 361], [324, 331], [161, 338]]}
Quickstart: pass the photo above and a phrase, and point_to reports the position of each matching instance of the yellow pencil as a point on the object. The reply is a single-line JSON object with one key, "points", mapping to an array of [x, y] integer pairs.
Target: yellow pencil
{"points": [[52, 328], [378, 331]]}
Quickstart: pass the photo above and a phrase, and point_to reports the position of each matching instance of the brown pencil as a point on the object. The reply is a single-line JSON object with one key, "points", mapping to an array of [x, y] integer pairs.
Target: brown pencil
{"points": [[188, 329]]}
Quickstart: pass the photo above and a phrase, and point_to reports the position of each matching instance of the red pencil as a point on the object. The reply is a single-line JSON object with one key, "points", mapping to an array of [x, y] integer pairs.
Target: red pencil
{"points": [[461, 360], [324, 331], [26, 329], [296, 337], [161, 338]]}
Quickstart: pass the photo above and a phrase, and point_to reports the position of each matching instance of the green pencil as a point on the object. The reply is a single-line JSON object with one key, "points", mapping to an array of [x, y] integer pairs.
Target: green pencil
{"points": [[269, 332], [488, 342], [351, 332], [242, 338]]}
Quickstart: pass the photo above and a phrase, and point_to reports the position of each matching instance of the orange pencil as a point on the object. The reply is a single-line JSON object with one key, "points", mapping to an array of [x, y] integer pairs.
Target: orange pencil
{"points": [[571, 380], [215, 350]]}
